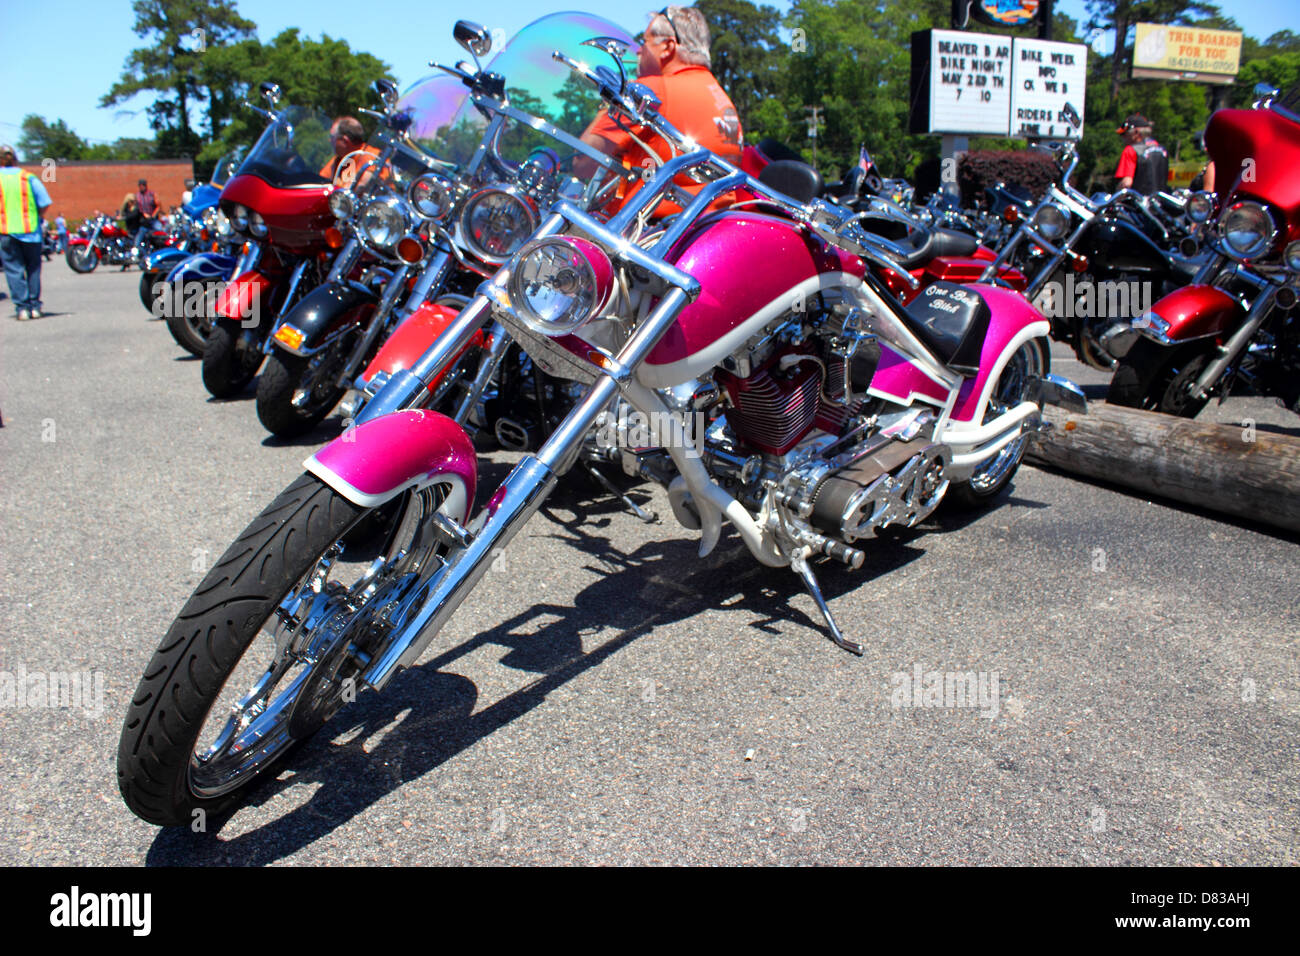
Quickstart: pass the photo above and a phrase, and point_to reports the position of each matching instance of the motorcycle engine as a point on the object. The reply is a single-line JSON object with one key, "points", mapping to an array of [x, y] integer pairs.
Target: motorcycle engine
{"points": [[793, 380]]}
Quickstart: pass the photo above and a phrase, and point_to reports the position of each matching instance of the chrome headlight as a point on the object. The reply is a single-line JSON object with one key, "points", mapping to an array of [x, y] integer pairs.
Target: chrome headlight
{"points": [[256, 225], [343, 204], [1247, 229], [1051, 222], [217, 222], [496, 222], [239, 217], [383, 221], [432, 196], [559, 284], [1291, 255], [1200, 207]]}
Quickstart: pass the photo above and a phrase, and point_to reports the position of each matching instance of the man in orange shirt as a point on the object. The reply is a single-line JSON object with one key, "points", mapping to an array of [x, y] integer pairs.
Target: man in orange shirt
{"points": [[674, 63], [347, 135]]}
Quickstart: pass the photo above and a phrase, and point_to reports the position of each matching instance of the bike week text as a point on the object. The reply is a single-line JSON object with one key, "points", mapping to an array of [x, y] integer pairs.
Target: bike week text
{"points": [[947, 689], [196, 298], [53, 689], [76, 909]]}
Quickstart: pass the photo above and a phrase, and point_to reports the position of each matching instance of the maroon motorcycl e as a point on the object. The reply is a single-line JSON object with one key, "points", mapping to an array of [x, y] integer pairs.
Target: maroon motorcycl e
{"points": [[279, 200], [1236, 327]]}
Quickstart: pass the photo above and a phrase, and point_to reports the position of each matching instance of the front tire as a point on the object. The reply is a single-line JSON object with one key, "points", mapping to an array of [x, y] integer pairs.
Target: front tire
{"points": [[281, 379], [191, 332], [227, 368], [82, 259], [272, 616], [162, 778], [1156, 378]]}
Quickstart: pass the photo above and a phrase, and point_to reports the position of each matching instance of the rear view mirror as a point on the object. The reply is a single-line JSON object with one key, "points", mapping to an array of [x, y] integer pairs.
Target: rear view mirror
{"points": [[476, 40]]}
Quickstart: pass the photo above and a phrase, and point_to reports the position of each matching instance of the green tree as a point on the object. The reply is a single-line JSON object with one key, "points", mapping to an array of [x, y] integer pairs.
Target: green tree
{"points": [[747, 52], [326, 74], [180, 33], [41, 139]]}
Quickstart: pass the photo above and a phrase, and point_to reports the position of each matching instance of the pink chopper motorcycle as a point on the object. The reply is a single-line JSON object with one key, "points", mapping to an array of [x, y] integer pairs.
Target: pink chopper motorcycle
{"points": [[790, 393]]}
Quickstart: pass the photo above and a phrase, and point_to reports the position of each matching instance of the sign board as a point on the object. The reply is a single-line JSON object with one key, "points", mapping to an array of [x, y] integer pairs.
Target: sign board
{"points": [[1165, 52], [1047, 85], [985, 84]]}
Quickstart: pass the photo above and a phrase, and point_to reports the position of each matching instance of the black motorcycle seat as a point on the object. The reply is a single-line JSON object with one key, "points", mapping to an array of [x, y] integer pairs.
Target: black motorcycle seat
{"points": [[951, 320], [793, 177], [938, 242]]}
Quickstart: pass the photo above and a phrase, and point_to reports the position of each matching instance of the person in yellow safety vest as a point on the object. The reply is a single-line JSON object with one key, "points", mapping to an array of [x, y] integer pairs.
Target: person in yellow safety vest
{"points": [[23, 201]]}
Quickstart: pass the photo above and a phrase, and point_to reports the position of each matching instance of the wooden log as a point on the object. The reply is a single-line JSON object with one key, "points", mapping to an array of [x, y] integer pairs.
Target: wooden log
{"points": [[1235, 469]]}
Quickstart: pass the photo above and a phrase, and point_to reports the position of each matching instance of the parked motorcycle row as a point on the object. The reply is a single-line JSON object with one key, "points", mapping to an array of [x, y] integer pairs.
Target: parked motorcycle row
{"points": [[814, 364]]}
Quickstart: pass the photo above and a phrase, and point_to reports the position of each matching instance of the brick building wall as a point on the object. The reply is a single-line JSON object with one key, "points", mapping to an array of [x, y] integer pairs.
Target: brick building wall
{"points": [[79, 188]]}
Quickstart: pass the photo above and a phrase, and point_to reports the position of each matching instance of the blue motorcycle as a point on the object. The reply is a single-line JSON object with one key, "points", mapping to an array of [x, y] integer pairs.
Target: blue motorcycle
{"points": [[179, 283]]}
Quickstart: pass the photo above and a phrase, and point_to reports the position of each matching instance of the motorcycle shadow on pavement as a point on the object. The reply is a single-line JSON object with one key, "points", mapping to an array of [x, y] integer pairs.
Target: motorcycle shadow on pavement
{"points": [[428, 715]]}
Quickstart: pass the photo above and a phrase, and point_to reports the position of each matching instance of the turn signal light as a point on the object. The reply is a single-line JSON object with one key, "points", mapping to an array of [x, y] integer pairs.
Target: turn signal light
{"points": [[333, 238], [409, 250], [1011, 214], [289, 336], [1080, 264]]}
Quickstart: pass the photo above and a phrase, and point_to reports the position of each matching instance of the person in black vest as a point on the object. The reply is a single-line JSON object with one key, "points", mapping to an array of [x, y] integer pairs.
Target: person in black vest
{"points": [[1144, 164]]}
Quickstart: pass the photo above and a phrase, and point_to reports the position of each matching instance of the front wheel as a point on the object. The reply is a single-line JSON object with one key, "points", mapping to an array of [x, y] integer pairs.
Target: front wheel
{"points": [[190, 331], [310, 382], [227, 367], [82, 259], [268, 647], [1159, 378], [1032, 360]]}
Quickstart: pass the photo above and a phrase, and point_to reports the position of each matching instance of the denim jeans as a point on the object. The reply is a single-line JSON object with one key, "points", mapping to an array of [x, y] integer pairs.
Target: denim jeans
{"points": [[22, 263], [146, 226]]}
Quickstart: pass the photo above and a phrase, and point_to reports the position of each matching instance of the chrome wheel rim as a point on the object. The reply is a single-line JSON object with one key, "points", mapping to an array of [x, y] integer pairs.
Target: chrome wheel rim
{"points": [[1013, 383], [303, 653]]}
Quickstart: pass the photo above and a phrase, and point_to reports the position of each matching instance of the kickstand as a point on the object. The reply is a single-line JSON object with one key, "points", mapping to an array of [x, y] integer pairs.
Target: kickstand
{"points": [[649, 517], [801, 566]]}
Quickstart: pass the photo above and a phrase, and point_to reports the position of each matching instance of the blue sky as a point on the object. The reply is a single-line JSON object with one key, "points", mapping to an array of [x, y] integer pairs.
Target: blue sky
{"points": [[64, 77]]}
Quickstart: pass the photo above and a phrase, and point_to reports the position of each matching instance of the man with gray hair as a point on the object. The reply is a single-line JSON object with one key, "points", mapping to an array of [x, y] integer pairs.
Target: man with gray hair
{"points": [[674, 63]]}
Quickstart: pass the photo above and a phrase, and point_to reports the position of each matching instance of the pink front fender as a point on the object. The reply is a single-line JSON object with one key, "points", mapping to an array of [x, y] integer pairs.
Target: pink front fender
{"points": [[376, 461], [1013, 322]]}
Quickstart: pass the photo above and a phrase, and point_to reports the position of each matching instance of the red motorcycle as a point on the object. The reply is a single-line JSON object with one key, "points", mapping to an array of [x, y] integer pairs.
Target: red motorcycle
{"points": [[279, 202], [102, 240], [1235, 327]]}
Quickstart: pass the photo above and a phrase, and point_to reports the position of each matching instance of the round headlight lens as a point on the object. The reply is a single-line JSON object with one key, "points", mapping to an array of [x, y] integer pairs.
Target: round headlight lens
{"points": [[1247, 229], [382, 222], [431, 196], [560, 284], [1051, 222], [239, 217], [496, 223], [342, 204], [1292, 256], [256, 224], [1200, 207]]}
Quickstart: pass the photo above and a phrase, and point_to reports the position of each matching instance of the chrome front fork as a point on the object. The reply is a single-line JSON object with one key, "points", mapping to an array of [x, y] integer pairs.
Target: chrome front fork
{"points": [[416, 621], [1235, 345]]}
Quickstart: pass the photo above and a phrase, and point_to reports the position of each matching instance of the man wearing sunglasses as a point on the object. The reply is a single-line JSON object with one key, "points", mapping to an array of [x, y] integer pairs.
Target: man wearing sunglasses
{"points": [[674, 63]]}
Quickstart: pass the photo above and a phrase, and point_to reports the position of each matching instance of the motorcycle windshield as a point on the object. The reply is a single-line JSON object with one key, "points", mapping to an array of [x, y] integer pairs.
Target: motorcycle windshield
{"points": [[293, 150], [448, 123], [226, 167]]}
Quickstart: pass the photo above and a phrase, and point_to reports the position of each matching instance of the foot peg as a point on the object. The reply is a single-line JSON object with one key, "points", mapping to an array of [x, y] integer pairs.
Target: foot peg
{"points": [[801, 566]]}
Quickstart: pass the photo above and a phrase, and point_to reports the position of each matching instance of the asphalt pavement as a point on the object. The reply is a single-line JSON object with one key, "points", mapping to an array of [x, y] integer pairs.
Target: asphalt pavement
{"points": [[607, 697]]}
